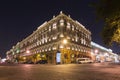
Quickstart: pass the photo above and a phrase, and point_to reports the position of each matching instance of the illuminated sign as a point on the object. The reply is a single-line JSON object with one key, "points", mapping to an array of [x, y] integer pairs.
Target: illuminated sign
{"points": [[58, 57]]}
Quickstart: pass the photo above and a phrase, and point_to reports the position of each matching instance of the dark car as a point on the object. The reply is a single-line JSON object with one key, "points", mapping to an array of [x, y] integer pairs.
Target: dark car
{"points": [[28, 62], [41, 62]]}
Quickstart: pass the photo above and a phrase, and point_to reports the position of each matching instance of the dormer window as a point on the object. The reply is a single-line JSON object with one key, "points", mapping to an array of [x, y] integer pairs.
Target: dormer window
{"points": [[49, 28], [61, 22], [73, 28], [54, 25], [68, 25]]}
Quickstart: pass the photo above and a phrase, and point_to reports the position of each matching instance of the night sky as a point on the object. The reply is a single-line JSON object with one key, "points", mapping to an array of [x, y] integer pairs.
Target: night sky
{"points": [[19, 18]]}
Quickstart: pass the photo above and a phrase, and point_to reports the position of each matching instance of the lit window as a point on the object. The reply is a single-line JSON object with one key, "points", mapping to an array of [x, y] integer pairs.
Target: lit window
{"points": [[82, 41], [54, 38], [68, 47], [61, 35], [49, 49], [76, 40], [54, 48], [54, 26], [76, 49], [37, 42], [72, 39], [61, 46], [45, 49], [46, 40], [72, 28], [68, 37], [49, 28], [61, 22], [68, 25], [45, 29], [42, 41], [49, 39], [81, 50]]}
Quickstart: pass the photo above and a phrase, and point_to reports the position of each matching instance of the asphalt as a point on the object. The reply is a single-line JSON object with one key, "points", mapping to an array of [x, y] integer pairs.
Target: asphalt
{"points": [[95, 71]]}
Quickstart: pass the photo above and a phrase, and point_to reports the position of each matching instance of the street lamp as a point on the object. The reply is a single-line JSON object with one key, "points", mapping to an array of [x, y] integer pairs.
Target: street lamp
{"points": [[96, 51], [65, 41], [27, 51]]}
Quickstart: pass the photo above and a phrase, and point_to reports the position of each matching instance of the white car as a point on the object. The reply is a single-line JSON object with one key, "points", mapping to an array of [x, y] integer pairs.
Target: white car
{"points": [[84, 60]]}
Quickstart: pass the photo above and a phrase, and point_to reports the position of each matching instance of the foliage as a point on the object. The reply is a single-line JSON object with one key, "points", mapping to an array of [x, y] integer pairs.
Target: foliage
{"points": [[109, 12]]}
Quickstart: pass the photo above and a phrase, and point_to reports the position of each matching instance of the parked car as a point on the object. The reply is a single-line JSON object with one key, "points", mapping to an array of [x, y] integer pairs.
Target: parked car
{"points": [[28, 62], [84, 60], [41, 62]]}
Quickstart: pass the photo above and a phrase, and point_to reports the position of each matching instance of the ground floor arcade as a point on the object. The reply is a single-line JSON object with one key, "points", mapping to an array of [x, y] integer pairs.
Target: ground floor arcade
{"points": [[65, 56]]}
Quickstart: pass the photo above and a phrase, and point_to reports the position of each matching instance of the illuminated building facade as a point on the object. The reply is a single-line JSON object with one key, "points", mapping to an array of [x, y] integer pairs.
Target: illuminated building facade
{"points": [[61, 35], [102, 54]]}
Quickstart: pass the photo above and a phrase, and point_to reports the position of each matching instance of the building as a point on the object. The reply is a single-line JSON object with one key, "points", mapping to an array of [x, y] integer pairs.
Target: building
{"points": [[102, 54], [0, 59], [60, 40]]}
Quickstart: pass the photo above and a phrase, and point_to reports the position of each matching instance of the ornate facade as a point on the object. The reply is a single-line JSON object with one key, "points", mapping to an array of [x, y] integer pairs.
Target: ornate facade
{"points": [[61, 35]]}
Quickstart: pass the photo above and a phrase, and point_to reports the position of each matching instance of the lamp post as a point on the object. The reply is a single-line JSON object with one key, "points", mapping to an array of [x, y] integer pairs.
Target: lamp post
{"points": [[65, 41], [27, 51]]}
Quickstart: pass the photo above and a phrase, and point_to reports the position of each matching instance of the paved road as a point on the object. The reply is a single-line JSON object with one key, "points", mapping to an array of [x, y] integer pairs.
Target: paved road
{"points": [[96, 71]]}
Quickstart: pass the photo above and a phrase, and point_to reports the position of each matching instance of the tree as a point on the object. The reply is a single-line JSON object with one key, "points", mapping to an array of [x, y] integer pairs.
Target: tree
{"points": [[109, 12]]}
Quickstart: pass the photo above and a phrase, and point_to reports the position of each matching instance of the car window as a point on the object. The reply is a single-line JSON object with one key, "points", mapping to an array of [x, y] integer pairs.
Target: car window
{"points": [[81, 60]]}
